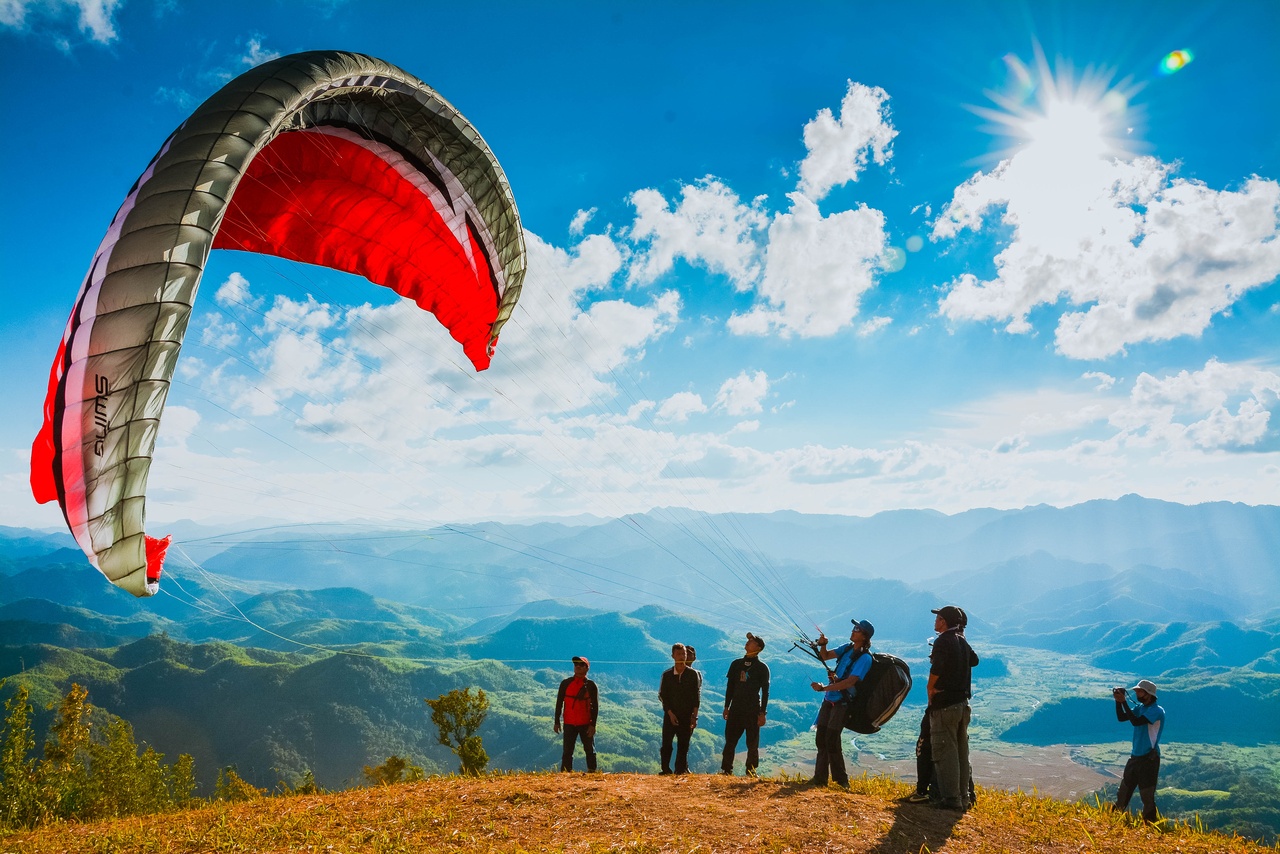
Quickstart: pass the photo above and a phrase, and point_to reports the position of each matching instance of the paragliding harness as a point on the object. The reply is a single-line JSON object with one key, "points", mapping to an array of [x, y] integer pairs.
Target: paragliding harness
{"points": [[879, 694]]}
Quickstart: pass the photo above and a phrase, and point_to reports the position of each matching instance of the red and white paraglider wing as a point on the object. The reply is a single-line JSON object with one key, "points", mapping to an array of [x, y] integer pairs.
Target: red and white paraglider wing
{"points": [[325, 157]]}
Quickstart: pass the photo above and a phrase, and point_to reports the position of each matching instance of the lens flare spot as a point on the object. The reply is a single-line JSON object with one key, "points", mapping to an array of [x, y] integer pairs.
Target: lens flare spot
{"points": [[1175, 61], [894, 259], [915, 243]]}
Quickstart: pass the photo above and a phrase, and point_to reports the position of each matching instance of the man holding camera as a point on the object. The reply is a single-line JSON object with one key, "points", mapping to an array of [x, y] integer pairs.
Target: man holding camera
{"points": [[1143, 767]]}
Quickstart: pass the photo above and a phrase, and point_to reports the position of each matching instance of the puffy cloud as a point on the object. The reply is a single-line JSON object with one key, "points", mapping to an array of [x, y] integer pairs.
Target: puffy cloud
{"points": [[709, 227], [580, 220], [1222, 406], [680, 406], [390, 376], [743, 394], [590, 266], [839, 148], [816, 270], [1135, 254], [255, 54], [235, 291], [95, 18]]}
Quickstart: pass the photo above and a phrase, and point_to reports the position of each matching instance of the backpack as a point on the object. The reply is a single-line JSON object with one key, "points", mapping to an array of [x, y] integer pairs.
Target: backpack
{"points": [[879, 694]]}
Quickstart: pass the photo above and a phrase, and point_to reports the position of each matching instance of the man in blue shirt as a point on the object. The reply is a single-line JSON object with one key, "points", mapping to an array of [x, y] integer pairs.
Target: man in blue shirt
{"points": [[1143, 767], [853, 660]]}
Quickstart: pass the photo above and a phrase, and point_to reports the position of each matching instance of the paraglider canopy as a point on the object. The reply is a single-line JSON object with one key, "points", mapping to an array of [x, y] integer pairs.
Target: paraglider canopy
{"points": [[324, 157]]}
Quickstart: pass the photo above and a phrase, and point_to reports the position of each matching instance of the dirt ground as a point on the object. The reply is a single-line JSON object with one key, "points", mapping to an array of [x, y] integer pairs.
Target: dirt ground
{"points": [[622, 813]]}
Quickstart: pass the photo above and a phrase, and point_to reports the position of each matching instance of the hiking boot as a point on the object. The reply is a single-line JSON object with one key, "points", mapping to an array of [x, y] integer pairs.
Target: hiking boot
{"points": [[817, 781], [916, 798], [724, 773], [955, 806], [664, 772]]}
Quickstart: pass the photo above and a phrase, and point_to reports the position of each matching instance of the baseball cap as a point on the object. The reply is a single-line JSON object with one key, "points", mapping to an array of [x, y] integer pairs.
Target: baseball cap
{"points": [[756, 638], [865, 627], [582, 659], [951, 615]]}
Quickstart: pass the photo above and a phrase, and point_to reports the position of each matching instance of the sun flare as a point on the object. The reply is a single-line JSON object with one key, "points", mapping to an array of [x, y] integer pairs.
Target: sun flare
{"points": [[1049, 116]]}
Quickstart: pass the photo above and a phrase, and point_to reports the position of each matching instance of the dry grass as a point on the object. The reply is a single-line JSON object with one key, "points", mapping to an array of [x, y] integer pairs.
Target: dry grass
{"points": [[624, 813]]}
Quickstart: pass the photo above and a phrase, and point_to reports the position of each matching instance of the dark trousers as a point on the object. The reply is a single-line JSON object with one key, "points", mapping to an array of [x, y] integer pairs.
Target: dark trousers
{"points": [[924, 764], [681, 733], [740, 724], [830, 761], [1141, 773], [949, 740], [572, 732]]}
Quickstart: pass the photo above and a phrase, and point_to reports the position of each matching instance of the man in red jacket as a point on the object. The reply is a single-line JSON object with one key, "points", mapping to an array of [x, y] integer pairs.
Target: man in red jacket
{"points": [[579, 700]]}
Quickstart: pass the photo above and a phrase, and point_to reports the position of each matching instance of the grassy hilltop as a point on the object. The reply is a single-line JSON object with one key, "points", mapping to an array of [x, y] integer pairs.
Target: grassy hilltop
{"points": [[626, 813]]}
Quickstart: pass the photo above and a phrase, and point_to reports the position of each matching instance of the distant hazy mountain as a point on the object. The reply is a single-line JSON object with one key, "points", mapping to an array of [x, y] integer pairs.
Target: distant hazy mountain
{"points": [[1018, 573]]}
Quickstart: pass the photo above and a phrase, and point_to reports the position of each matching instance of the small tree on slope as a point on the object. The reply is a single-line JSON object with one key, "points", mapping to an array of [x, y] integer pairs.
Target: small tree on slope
{"points": [[457, 715]]}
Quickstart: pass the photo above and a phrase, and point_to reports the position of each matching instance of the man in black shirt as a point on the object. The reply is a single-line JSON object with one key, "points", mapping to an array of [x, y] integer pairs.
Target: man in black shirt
{"points": [[680, 692], [949, 690], [745, 699]]}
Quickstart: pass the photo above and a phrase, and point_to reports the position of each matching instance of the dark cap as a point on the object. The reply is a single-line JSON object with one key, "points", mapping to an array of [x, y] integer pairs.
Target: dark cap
{"points": [[582, 659], [865, 627], [756, 638], [951, 615]]}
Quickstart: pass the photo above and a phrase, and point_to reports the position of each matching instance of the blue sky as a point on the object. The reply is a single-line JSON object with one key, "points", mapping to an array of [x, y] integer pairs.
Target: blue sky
{"points": [[825, 257]]}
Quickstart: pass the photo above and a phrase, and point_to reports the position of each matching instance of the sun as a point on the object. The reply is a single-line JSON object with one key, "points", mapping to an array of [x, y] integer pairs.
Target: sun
{"points": [[1051, 117], [1067, 130]]}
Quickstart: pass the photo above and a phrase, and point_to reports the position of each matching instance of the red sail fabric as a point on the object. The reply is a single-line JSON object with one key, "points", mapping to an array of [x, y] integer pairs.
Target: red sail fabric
{"points": [[344, 203]]}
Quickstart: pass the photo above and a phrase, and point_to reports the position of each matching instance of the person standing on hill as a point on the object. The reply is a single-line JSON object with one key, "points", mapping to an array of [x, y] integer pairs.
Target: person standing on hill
{"points": [[579, 700], [853, 660], [950, 687], [926, 787], [680, 693], [746, 698], [690, 656], [1143, 767]]}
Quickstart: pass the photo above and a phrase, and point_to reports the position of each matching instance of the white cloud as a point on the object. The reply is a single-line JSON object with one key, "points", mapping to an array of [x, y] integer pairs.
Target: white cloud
{"points": [[255, 54], [220, 333], [1104, 381], [816, 270], [1134, 254], [590, 266], [1222, 406], [873, 326], [743, 394], [820, 465], [95, 18], [580, 220], [838, 149], [235, 291], [390, 377], [680, 406], [709, 227]]}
